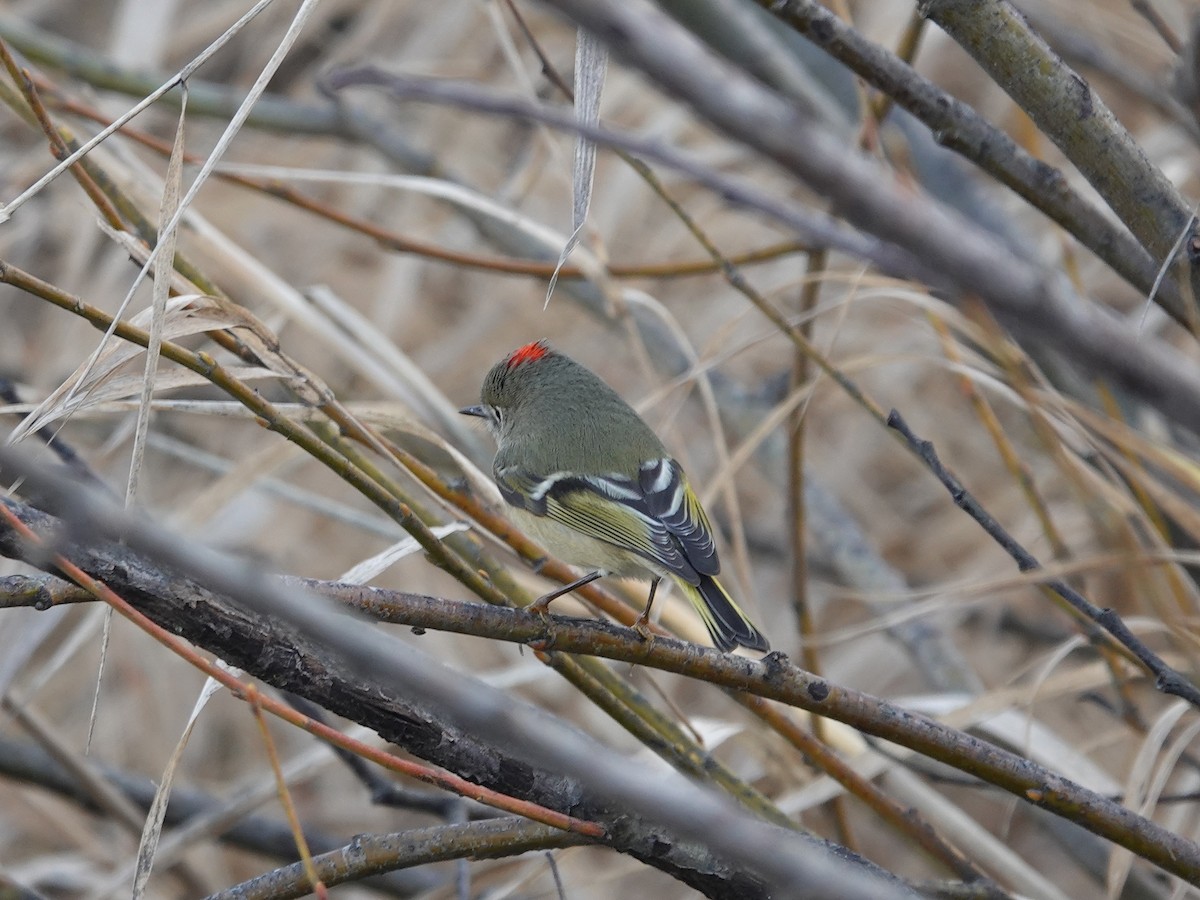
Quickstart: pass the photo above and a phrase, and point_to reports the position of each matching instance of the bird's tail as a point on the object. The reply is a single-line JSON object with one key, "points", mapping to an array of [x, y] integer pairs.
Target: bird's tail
{"points": [[726, 622]]}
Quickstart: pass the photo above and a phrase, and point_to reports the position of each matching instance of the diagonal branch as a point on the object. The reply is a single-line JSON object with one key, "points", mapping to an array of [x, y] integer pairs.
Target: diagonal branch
{"points": [[287, 654], [915, 237], [294, 642]]}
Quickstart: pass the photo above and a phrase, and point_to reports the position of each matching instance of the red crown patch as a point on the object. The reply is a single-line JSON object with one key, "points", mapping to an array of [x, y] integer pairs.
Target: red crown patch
{"points": [[528, 353]]}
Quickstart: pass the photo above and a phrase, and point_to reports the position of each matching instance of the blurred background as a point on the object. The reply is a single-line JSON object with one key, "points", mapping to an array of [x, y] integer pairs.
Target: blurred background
{"points": [[377, 240]]}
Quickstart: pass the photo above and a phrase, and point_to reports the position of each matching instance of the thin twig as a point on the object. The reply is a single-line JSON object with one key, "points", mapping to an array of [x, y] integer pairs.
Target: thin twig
{"points": [[374, 854], [1148, 11], [1167, 679]]}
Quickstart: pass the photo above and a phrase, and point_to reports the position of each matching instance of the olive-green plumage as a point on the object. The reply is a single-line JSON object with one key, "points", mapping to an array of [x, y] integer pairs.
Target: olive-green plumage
{"points": [[587, 477], [565, 415]]}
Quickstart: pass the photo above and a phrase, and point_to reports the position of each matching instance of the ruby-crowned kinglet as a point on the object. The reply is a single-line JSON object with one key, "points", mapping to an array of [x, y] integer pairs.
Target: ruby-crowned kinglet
{"points": [[590, 480]]}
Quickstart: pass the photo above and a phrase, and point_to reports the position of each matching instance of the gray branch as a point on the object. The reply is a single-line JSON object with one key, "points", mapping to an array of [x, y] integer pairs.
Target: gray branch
{"points": [[1034, 302], [1072, 115], [302, 643]]}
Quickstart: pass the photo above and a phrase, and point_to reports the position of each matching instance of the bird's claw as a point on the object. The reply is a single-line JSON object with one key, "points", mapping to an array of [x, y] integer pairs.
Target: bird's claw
{"points": [[641, 625]]}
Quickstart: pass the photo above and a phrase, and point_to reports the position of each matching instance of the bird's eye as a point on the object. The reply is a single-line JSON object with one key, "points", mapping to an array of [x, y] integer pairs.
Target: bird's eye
{"points": [[496, 413]]}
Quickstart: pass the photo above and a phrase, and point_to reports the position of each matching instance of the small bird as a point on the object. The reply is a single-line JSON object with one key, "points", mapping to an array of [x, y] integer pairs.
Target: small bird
{"points": [[590, 480]]}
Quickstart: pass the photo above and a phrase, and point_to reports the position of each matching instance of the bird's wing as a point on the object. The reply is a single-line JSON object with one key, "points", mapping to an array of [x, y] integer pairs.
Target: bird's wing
{"points": [[668, 498], [655, 516]]}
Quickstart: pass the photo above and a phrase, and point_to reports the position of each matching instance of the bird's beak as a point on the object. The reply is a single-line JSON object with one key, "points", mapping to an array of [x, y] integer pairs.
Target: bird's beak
{"points": [[474, 411]]}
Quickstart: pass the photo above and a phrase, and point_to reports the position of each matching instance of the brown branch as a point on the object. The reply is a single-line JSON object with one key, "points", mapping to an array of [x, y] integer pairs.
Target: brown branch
{"points": [[729, 862], [279, 654], [401, 243], [375, 854]]}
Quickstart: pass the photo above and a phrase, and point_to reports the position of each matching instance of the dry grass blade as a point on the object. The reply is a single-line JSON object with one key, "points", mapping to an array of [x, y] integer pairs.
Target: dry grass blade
{"points": [[152, 831], [1138, 792], [371, 567], [102, 380], [591, 65], [167, 239]]}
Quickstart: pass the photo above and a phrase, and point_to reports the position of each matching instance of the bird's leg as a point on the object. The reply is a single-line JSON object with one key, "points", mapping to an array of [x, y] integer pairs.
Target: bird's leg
{"points": [[542, 603], [641, 624]]}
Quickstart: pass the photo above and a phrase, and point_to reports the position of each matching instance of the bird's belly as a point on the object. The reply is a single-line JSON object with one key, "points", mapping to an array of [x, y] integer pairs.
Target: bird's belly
{"points": [[580, 549]]}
